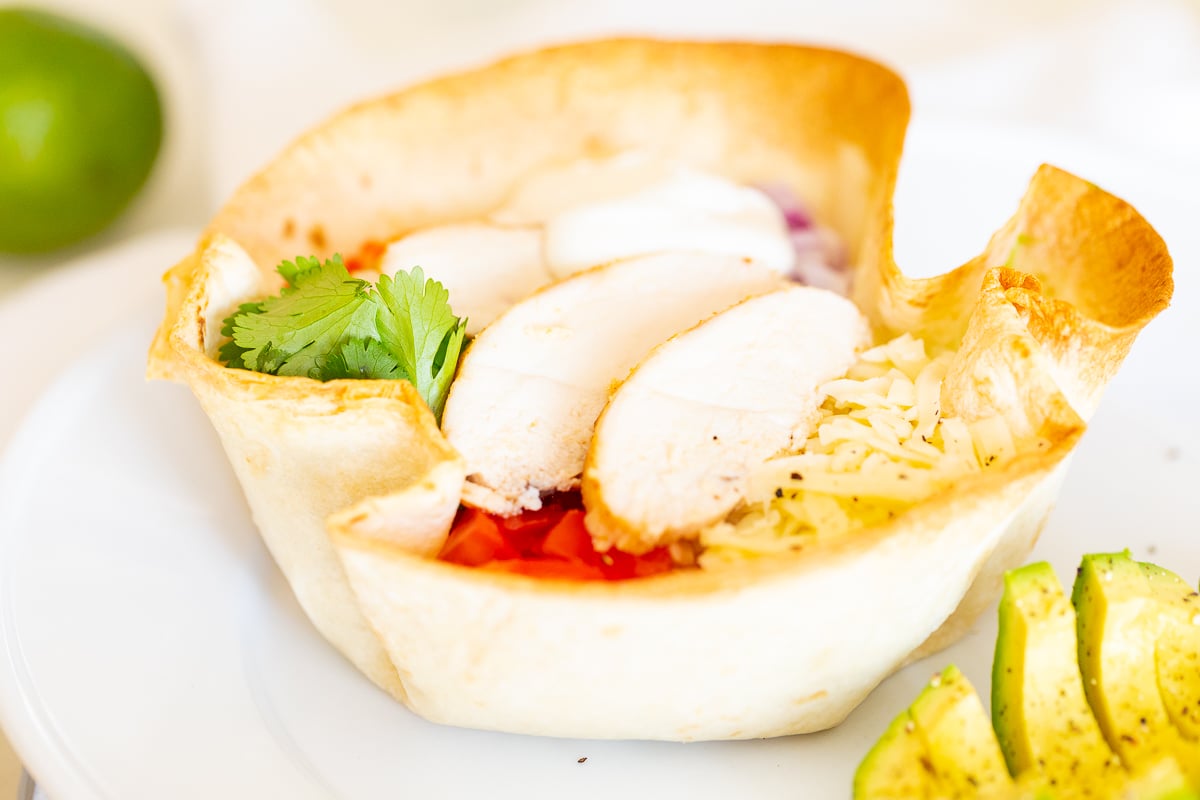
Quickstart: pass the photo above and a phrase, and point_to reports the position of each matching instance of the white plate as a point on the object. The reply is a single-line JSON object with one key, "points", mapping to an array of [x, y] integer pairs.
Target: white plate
{"points": [[149, 648], [94, 292]]}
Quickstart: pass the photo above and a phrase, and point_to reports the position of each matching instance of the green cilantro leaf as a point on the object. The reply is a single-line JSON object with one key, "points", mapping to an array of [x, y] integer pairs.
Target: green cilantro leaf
{"points": [[232, 353], [417, 326], [303, 267], [361, 358], [326, 324], [291, 333]]}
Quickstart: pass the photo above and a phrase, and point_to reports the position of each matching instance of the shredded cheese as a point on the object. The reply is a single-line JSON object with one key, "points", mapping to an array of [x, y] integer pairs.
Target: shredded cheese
{"points": [[881, 444]]}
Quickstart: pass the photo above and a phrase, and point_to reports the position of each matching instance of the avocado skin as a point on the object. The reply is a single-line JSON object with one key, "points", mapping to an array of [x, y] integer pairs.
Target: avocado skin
{"points": [[1120, 621]]}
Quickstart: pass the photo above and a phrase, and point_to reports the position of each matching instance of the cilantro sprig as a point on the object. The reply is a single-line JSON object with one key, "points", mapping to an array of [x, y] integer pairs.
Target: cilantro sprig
{"points": [[326, 324]]}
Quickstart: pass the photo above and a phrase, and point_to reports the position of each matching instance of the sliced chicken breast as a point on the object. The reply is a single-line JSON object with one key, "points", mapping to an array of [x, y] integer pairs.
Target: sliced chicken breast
{"points": [[687, 210], [674, 448], [486, 268], [593, 212], [598, 210], [581, 182], [528, 390]]}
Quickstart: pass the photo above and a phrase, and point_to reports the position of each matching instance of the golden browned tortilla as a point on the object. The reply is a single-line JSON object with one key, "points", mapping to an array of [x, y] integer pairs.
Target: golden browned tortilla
{"points": [[775, 646]]}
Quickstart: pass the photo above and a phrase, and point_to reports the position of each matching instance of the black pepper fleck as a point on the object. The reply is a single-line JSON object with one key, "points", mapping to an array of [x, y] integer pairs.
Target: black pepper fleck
{"points": [[581, 759], [779, 493]]}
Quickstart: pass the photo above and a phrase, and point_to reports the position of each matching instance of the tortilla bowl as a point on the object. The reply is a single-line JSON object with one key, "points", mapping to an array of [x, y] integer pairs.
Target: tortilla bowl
{"points": [[1040, 321]]}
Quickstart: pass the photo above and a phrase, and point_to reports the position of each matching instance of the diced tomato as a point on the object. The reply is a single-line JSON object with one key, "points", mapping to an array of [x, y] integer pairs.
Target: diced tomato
{"points": [[549, 568], [623, 566], [367, 257], [474, 540], [656, 562], [551, 542], [524, 531], [569, 540]]}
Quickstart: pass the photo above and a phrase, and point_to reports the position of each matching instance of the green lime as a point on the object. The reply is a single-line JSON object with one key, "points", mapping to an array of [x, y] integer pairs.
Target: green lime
{"points": [[80, 126]]}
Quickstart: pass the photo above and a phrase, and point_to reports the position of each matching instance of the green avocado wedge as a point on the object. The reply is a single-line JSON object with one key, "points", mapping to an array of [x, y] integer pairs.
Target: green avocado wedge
{"points": [[1118, 663], [942, 746], [1177, 656], [898, 766], [1038, 705], [1120, 622], [959, 739]]}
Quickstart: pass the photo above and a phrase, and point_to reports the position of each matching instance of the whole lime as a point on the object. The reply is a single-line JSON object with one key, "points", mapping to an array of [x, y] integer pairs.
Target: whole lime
{"points": [[80, 127]]}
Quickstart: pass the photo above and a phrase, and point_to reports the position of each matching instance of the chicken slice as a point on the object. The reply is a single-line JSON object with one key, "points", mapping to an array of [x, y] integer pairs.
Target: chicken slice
{"points": [[687, 210], [486, 268], [599, 210], [676, 444], [528, 390], [581, 182]]}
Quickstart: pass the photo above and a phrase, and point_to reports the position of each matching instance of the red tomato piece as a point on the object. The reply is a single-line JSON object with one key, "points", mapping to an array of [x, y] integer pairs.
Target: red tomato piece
{"points": [[524, 532], [551, 542], [367, 257], [656, 562], [474, 540], [619, 566], [570, 540]]}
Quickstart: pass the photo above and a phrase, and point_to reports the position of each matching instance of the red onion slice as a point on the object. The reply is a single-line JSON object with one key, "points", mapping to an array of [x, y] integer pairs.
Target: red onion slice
{"points": [[820, 253]]}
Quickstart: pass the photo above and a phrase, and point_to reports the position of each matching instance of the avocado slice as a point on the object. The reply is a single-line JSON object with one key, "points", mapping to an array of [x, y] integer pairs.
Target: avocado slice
{"points": [[959, 739], [1038, 705], [898, 766], [1139, 646], [1178, 653], [1119, 622], [941, 747]]}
